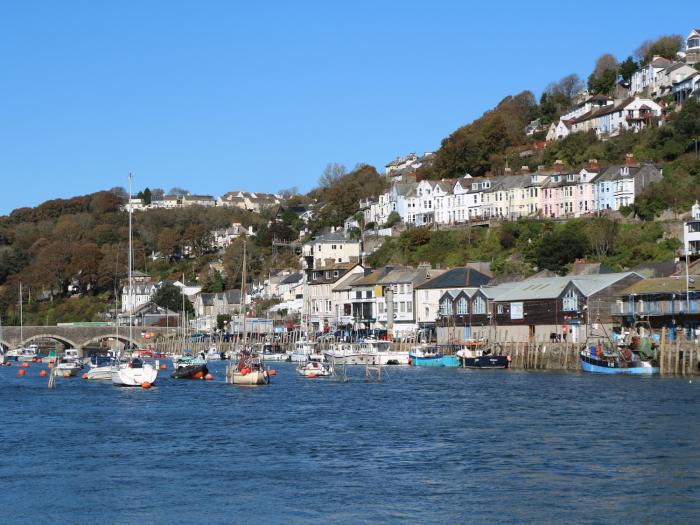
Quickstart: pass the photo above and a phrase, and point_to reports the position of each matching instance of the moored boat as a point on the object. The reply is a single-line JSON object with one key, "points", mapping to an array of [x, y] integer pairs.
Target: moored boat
{"points": [[429, 357], [189, 367], [477, 354], [635, 356], [134, 372], [23, 354]]}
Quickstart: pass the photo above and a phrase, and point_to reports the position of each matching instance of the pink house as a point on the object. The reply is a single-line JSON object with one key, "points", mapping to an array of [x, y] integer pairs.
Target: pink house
{"points": [[586, 189]]}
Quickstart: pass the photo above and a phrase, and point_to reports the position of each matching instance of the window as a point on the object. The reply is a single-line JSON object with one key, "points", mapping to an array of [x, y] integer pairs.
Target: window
{"points": [[501, 309], [368, 295], [446, 307], [479, 305], [570, 301], [462, 308], [358, 295], [409, 307]]}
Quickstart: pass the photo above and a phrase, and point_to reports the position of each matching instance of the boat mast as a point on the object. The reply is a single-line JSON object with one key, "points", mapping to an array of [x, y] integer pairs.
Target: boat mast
{"points": [[21, 323], [243, 291], [131, 283], [184, 339]]}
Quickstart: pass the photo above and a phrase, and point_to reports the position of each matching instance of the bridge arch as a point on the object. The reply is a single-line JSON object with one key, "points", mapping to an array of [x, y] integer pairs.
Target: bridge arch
{"points": [[119, 337], [59, 338]]}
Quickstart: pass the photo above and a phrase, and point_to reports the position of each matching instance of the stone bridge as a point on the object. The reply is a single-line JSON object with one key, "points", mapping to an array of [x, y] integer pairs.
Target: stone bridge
{"points": [[77, 336]]}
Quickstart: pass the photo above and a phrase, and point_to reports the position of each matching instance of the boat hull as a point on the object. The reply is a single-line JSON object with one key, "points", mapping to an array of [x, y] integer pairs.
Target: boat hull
{"points": [[439, 361], [599, 366], [485, 362], [71, 369], [253, 378], [123, 375], [190, 372], [100, 373]]}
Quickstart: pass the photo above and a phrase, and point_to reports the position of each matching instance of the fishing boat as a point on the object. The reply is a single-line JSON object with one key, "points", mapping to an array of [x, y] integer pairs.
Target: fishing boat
{"points": [[302, 350], [477, 354], [23, 354], [133, 371], [270, 352], [70, 364], [250, 370], [344, 354], [190, 367], [379, 353], [635, 356], [429, 356]]}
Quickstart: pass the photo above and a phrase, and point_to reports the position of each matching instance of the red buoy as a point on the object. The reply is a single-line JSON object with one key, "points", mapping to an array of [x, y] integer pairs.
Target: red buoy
{"points": [[163, 366], [21, 372], [146, 385], [198, 375], [84, 376], [66, 374], [208, 377], [25, 365], [272, 372], [42, 373], [311, 376]]}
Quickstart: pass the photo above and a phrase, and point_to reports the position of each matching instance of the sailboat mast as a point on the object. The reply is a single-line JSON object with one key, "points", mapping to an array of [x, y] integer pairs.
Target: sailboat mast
{"points": [[21, 312], [243, 292], [131, 283]]}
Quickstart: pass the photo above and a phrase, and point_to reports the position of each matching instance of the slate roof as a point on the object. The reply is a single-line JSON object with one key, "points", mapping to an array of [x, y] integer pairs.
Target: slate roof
{"points": [[456, 278], [552, 287], [292, 278], [338, 237]]}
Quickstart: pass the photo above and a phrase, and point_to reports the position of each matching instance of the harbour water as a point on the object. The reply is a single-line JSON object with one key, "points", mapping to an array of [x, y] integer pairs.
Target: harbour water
{"points": [[423, 446]]}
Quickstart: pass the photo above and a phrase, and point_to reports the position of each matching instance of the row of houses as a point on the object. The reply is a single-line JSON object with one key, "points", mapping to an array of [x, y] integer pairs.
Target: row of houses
{"points": [[554, 193], [244, 200], [607, 117], [467, 303]]}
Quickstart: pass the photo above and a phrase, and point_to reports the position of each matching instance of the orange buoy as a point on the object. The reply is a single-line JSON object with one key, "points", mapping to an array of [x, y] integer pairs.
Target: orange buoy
{"points": [[272, 372], [198, 375], [50, 366], [66, 374], [146, 385], [42, 373], [208, 377], [84, 376], [21, 372], [311, 376], [163, 366], [25, 365]]}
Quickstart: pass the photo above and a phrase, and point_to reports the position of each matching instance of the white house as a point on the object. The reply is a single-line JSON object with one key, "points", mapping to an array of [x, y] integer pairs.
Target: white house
{"points": [[331, 248], [692, 47], [198, 200], [691, 231], [443, 198], [425, 205], [645, 80], [586, 106]]}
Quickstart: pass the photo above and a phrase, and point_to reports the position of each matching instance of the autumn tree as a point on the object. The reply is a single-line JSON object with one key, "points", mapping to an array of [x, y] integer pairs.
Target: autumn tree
{"points": [[666, 46]]}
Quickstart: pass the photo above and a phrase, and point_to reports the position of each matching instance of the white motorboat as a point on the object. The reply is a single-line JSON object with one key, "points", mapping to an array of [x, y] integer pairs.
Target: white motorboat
{"points": [[134, 372], [376, 352], [344, 354], [302, 350], [23, 354], [68, 368], [100, 367], [315, 366]]}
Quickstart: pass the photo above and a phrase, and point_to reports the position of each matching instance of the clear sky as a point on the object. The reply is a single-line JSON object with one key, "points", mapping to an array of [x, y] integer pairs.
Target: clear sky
{"points": [[218, 96]]}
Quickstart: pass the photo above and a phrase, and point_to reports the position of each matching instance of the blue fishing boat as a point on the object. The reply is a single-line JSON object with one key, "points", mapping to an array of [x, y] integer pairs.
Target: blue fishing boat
{"points": [[636, 356], [424, 356]]}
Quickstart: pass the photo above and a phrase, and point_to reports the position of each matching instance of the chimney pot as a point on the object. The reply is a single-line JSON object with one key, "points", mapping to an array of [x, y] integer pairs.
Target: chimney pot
{"points": [[630, 160]]}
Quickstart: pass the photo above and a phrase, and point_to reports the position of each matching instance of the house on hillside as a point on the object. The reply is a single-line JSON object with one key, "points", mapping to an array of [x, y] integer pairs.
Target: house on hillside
{"points": [[198, 200], [331, 248], [645, 80], [692, 48], [322, 309]]}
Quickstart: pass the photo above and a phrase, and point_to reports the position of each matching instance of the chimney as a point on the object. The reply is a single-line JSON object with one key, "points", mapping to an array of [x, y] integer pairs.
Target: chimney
{"points": [[524, 170], [629, 159], [508, 171], [540, 168], [559, 166], [593, 165]]}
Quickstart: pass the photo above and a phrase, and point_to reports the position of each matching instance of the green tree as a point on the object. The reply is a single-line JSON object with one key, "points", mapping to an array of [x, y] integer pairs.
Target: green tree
{"points": [[627, 68], [393, 219], [169, 296], [147, 196]]}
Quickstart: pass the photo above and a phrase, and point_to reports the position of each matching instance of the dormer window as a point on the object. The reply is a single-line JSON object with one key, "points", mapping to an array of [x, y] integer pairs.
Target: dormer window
{"points": [[475, 186], [570, 177]]}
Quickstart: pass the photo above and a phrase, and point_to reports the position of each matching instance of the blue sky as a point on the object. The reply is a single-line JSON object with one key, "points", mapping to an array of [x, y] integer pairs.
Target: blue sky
{"points": [[217, 96]]}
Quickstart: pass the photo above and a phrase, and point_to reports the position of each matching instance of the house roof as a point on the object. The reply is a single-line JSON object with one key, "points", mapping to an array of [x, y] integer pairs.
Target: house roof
{"points": [[292, 278], [552, 287], [338, 237], [655, 269], [675, 284], [660, 62], [374, 277], [585, 268], [456, 278]]}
